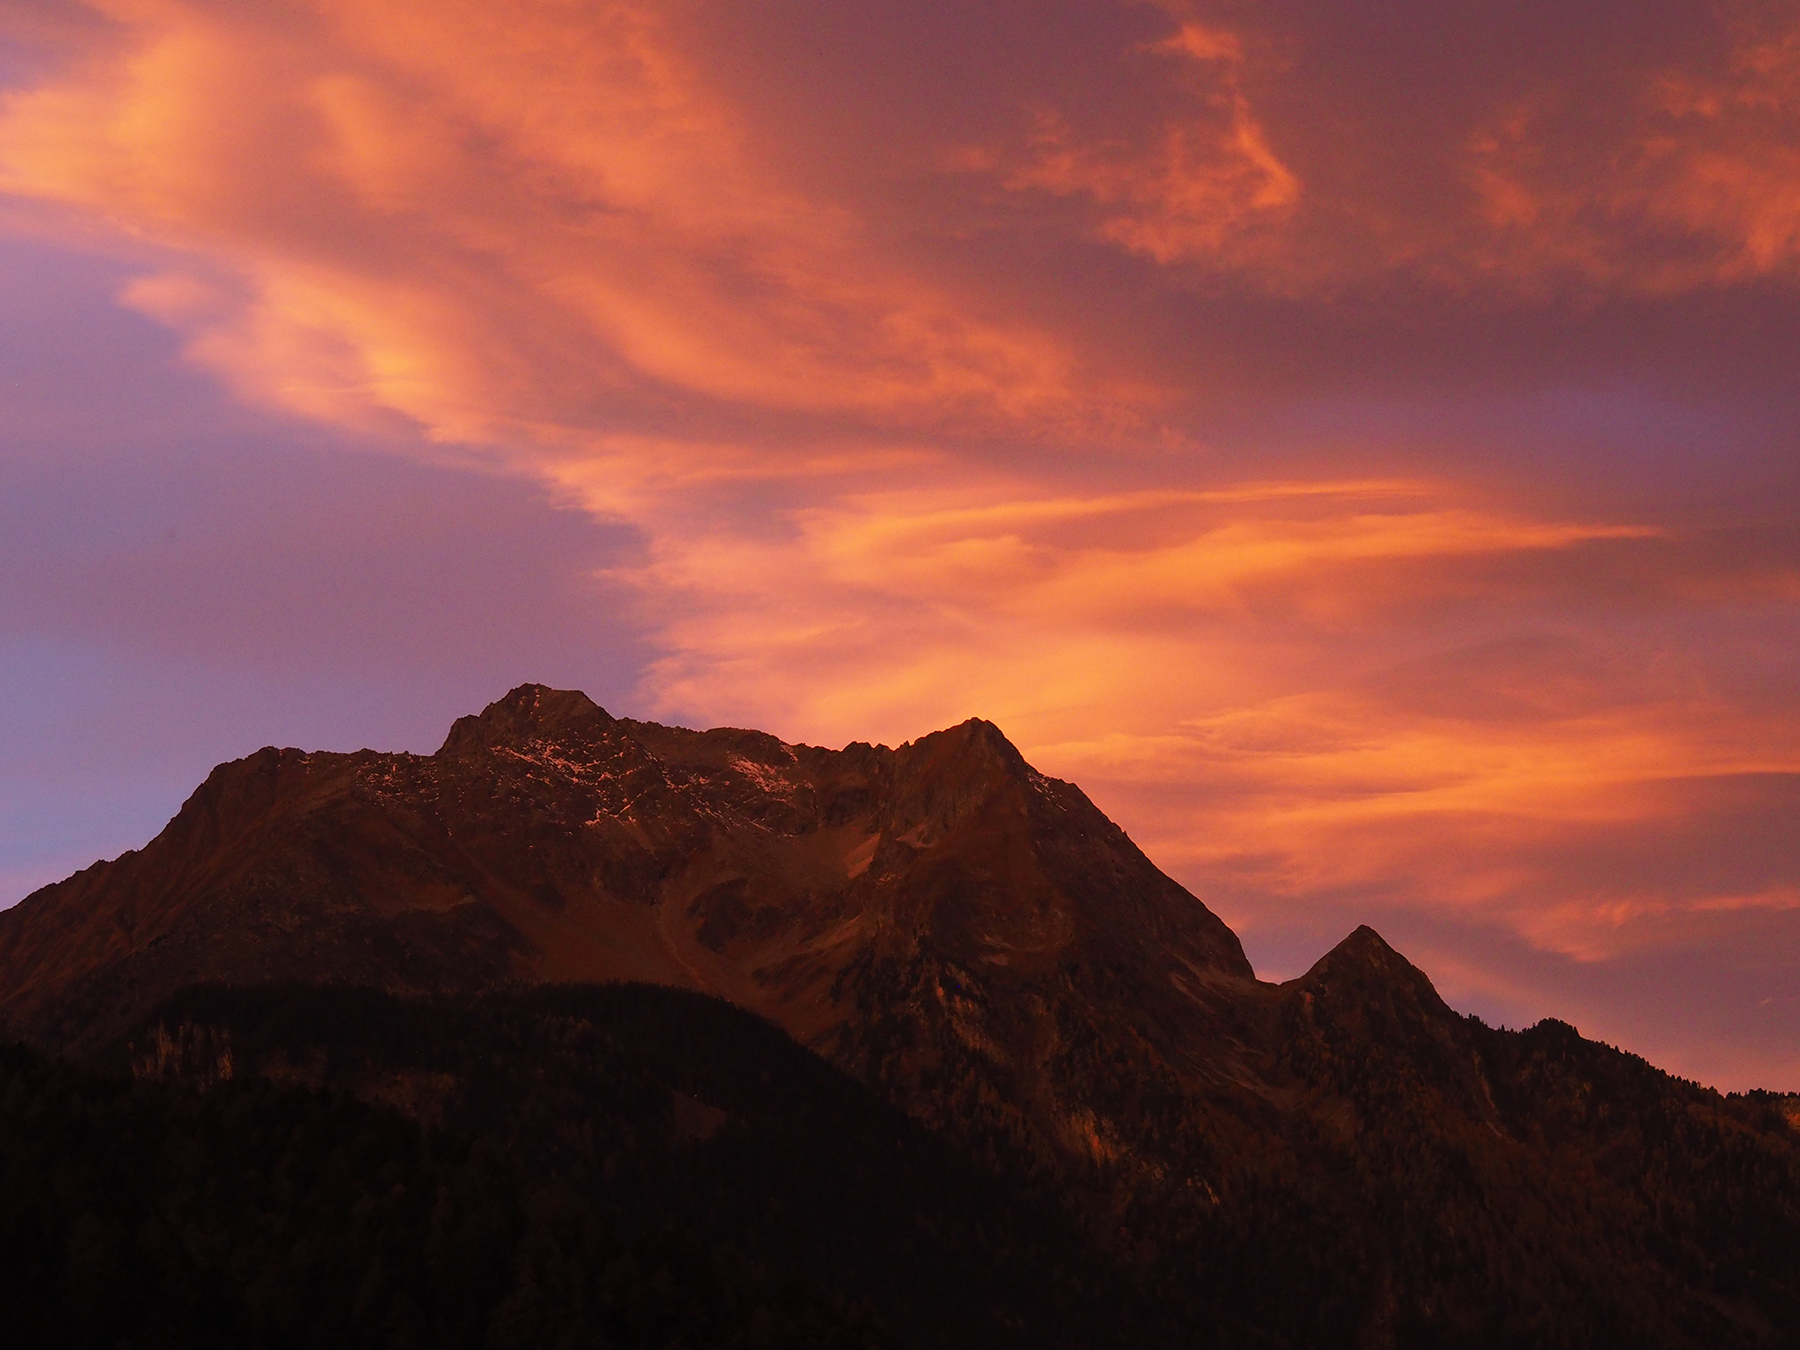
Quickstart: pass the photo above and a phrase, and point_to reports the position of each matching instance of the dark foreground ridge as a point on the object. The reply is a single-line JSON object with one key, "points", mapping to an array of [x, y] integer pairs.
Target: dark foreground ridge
{"points": [[920, 1050]]}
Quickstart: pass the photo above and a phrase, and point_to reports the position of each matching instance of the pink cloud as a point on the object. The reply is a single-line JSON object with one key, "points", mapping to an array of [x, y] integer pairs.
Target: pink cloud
{"points": [[1193, 186]]}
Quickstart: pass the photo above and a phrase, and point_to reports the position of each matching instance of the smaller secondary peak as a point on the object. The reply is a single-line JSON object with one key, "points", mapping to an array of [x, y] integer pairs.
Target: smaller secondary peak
{"points": [[1364, 952], [1366, 943], [532, 712], [1364, 970]]}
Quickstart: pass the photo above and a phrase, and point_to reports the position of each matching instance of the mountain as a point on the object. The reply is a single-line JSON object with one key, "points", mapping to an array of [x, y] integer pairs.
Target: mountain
{"points": [[1341, 1159], [945, 883]]}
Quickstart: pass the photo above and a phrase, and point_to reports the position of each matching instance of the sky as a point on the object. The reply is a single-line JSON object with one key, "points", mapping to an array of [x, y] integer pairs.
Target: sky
{"points": [[1355, 443]]}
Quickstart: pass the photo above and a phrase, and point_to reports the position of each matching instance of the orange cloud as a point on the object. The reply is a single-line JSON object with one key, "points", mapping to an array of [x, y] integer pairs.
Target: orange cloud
{"points": [[515, 228], [1186, 188], [1657, 180], [884, 613], [1698, 186]]}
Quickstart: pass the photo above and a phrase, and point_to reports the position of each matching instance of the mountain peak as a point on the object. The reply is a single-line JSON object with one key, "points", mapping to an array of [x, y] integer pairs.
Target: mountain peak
{"points": [[1364, 956], [975, 732], [974, 748], [1365, 980], [529, 713], [1366, 947]]}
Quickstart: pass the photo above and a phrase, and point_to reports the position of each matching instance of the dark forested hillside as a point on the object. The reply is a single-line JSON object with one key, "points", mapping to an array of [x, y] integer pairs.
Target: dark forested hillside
{"points": [[255, 1215], [656, 1107]]}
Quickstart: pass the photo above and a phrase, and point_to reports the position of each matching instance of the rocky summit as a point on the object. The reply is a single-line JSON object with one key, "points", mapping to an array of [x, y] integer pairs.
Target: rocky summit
{"points": [[1341, 1159]]}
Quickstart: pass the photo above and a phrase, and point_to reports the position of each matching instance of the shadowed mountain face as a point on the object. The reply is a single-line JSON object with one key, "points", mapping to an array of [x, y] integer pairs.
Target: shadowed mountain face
{"points": [[1338, 1160]]}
